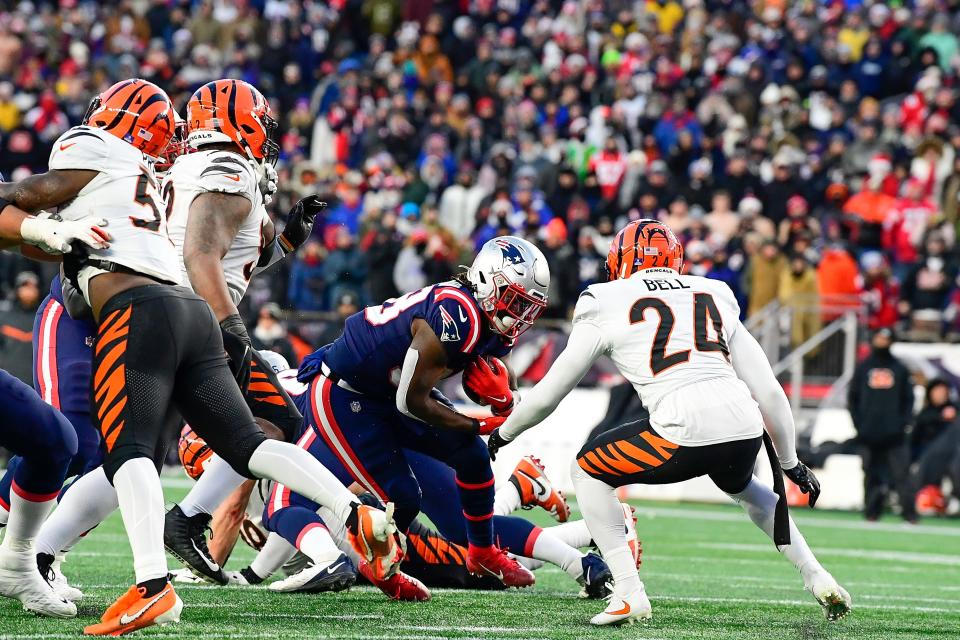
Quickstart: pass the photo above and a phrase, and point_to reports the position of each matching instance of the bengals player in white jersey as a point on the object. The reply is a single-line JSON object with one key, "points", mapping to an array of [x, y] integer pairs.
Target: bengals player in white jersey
{"points": [[709, 388], [217, 220], [158, 353]]}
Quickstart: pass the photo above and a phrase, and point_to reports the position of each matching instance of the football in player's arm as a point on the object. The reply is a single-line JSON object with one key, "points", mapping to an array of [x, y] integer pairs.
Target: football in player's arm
{"points": [[423, 367]]}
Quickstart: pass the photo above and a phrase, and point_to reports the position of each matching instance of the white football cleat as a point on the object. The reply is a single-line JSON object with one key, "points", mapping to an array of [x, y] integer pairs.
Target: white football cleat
{"points": [[834, 599], [20, 580], [49, 568], [185, 576], [59, 583], [336, 575], [630, 524], [237, 578], [626, 610]]}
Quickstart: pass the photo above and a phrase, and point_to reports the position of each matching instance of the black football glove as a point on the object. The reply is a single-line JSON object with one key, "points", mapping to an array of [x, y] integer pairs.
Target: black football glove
{"points": [[237, 344], [801, 476], [300, 222], [495, 442]]}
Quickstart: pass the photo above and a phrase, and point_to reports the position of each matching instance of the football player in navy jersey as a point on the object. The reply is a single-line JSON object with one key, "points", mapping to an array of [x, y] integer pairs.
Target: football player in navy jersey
{"points": [[372, 392]]}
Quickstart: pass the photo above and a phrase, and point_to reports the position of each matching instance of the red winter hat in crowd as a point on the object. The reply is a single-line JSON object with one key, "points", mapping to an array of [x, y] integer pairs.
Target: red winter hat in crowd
{"points": [[484, 103], [557, 227]]}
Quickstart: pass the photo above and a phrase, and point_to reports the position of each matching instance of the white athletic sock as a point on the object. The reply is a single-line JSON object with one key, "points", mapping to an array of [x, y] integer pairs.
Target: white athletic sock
{"points": [[506, 500], [4, 515], [555, 551], [275, 553], [26, 516], [216, 484], [141, 505], [604, 517], [294, 467], [315, 542], [573, 533], [88, 503], [760, 503]]}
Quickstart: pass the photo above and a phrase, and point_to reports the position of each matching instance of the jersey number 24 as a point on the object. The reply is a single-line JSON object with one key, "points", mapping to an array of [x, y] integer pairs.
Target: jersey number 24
{"points": [[704, 310]]}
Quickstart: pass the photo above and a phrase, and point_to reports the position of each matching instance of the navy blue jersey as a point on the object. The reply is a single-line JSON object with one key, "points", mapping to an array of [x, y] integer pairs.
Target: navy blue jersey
{"points": [[369, 355]]}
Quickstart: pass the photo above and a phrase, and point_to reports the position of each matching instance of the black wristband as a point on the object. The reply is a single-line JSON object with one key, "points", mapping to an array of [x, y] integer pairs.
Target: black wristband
{"points": [[3, 204], [476, 426]]}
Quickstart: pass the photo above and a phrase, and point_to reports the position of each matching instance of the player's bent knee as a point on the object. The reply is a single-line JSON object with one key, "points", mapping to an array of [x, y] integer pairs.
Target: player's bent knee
{"points": [[238, 447], [121, 454], [61, 438]]}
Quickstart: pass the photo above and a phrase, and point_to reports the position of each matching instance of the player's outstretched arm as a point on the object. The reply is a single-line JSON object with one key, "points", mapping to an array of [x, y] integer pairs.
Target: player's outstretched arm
{"points": [[752, 366], [423, 366], [46, 190], [42, 191], [583, 348]]}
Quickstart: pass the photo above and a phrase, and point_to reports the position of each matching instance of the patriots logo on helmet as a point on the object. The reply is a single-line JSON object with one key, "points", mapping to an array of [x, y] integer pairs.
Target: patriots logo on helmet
{"points": [[450, 331], [511, 252]]}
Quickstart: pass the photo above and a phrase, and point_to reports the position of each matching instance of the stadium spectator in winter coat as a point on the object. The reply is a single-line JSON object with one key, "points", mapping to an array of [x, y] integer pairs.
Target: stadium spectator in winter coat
{"points": [[937, 414], [880, 401], [763, 278], [16, 327]]}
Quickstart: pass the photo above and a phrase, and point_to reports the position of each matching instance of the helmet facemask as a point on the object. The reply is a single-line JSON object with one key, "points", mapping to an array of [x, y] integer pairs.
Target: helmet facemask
{"points": [[512, 310]]}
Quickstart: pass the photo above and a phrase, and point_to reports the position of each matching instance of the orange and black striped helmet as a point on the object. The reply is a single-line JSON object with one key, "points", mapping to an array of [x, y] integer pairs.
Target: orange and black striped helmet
{"points": [[136, 111], [193, 452], [643, 244], [232, 111]]}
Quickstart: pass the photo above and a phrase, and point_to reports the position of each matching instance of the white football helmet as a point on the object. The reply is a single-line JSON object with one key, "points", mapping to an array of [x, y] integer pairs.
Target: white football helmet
{"points": [[510, 278]]}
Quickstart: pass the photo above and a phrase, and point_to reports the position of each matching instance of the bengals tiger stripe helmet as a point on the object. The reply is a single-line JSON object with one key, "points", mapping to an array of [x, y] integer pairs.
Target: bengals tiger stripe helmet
{"points": [[643, 244], [232, 111], [137, 112], [193, 452]]}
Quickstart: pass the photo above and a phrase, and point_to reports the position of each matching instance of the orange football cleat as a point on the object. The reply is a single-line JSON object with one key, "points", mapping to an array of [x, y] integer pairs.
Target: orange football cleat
{"points": [[135, 610], [536, 491], [399, 586], [373, 535]]}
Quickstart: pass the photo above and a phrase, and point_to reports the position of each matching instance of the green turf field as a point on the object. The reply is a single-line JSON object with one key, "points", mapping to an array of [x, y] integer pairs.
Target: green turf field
{"points": [[709, 572]]}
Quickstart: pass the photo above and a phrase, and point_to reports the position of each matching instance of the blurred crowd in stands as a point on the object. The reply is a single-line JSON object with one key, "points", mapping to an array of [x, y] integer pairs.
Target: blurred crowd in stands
{"points": [[804, 151]]}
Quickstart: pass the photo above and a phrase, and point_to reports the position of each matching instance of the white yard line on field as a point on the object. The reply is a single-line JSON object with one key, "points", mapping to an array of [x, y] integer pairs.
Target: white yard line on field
{"points": [[915, 557], [798, 603], [795, 585], [803, 520]]}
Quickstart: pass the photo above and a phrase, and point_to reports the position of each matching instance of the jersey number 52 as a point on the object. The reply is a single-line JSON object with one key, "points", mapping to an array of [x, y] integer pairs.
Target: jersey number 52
{"points": [[704, 310]]}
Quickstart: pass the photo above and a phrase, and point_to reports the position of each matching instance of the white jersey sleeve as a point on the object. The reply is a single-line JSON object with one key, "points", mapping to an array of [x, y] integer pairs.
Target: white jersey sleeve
{"points": [[126, 192], [585, 345], [752, 366], [218, 172]]}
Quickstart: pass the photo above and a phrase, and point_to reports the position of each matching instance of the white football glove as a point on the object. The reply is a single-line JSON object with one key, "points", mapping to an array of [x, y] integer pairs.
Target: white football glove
{"points": [[268, 183], [54, 236]]}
